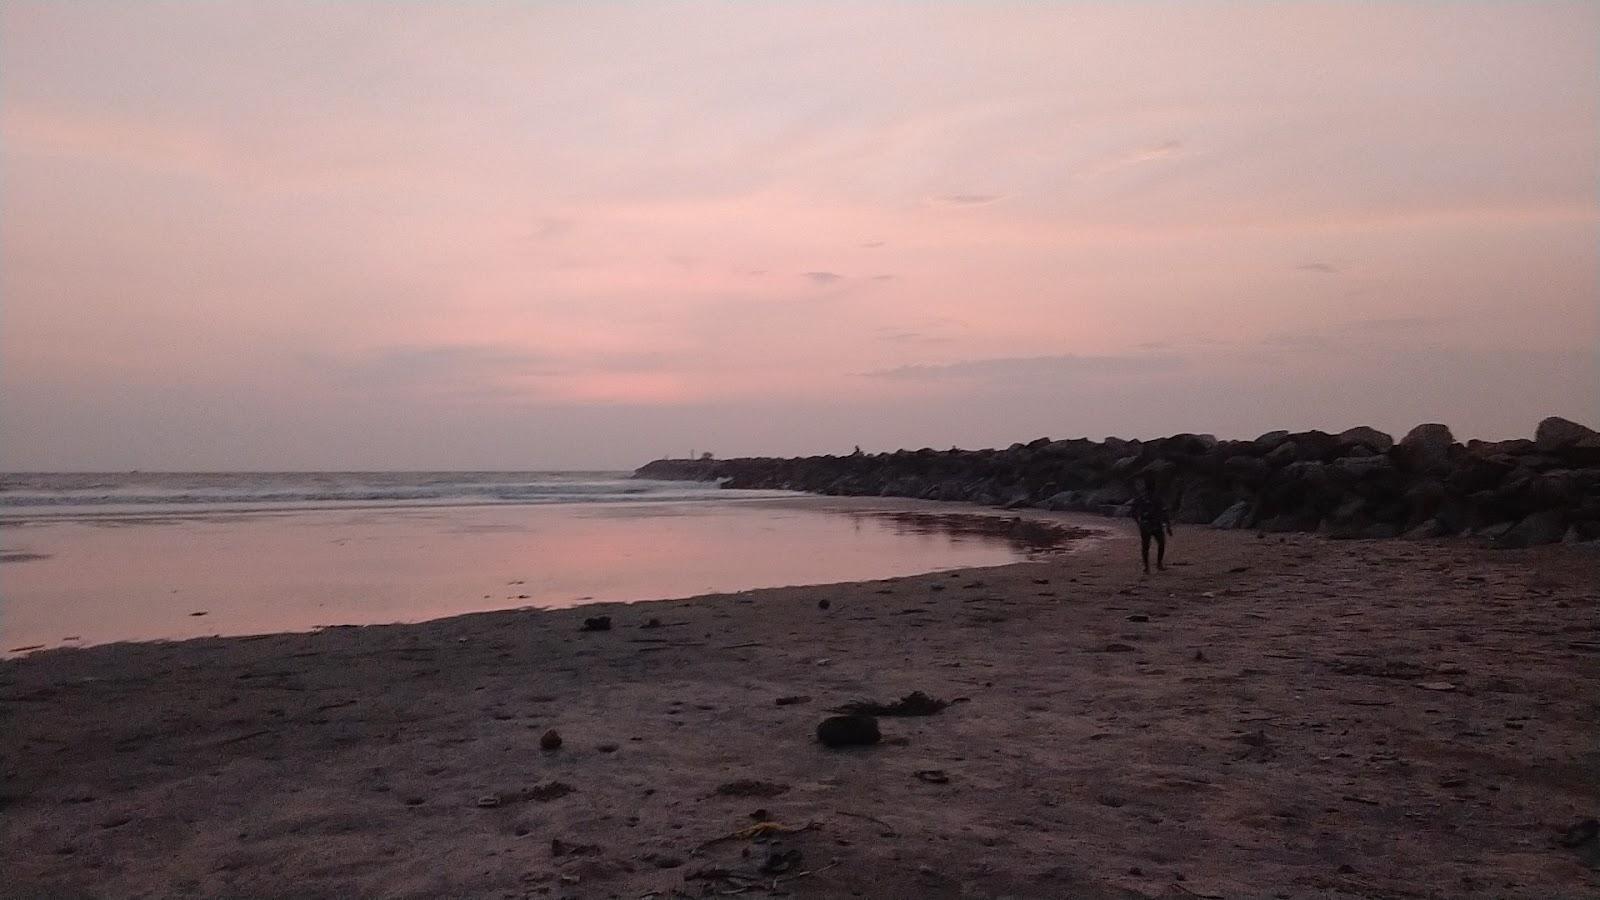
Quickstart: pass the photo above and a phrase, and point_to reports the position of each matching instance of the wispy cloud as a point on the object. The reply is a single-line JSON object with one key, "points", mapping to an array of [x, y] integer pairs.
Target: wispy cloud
{"points": [[1356, 332], [1129, 159], [436, 365], [1029, 367], [823, 279], [965, 199], [1325, 268]]}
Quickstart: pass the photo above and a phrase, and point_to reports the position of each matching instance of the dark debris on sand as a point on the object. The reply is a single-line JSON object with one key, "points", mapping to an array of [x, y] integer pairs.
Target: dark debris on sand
{"points": [[915, 703]]}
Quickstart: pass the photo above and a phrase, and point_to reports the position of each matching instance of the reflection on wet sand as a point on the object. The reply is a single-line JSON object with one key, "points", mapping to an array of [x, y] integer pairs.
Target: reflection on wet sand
{"points": [[231, 574], [1032, 537]]}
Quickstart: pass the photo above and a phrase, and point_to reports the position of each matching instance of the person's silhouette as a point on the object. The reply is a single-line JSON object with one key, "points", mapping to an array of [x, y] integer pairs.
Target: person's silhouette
{"points": [[1153, 523]]}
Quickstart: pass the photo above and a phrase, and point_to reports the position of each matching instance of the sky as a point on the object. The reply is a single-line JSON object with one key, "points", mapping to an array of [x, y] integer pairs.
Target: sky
{"points": [[461, 235]]}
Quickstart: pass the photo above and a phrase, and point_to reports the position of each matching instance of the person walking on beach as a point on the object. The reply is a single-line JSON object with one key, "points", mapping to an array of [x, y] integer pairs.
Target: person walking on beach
{"points": [[1153, 523]]}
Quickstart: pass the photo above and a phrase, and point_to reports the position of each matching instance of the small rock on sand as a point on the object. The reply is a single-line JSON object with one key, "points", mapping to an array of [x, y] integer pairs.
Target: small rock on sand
{"points": [[848, 731], [550, 741], [749, 787], [596, 623]]}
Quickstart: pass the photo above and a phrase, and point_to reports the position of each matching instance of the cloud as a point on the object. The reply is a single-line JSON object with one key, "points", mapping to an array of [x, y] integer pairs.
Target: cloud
{"points": [[434, 365], [894, 336], [1160, 151], [873, 245], [1031, 367], [1164, 150], [1325, 268], [883, 278], [1356, 332], [551, 227], [966, 199], [823, 279]]}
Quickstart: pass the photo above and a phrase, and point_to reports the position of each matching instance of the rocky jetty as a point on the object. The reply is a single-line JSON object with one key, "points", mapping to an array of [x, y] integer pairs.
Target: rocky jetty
{"points": [[1360, 483]]}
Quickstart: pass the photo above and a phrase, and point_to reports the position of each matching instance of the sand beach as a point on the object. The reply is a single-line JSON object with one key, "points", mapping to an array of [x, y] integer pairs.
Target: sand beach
{"points": [[1277, 716]]}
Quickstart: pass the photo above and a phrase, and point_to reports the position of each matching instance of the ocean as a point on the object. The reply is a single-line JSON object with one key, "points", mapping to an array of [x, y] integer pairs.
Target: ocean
{"points": [[97, 558], [201, 493]]}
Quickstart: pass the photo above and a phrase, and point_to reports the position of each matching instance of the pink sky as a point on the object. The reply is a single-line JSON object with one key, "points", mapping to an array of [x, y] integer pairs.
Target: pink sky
{"points": [[486, 235]]}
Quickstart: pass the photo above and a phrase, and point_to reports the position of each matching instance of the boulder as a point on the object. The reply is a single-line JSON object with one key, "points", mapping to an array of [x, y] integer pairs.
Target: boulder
{"points": [[1514, 447], [1544, 527], [1481, 473], [1315, 446], [848, 731], [1430, 528], [1428, 445], [1364, 436], [1110, 495], [1270, 441], [1248, 469], [1556, 433], [1065, 501], [1364, 466], [1283, 454], [1235, 516], [1125, 466], [1160, 470], [1200, 504]]}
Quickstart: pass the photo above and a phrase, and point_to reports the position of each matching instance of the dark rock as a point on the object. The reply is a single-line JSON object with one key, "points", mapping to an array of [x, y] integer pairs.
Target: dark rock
{"points": [[915, 703], [848, 731], [1247, 469], [544, 793], [596, 623], [1364, 466], [1269, 441], [1427, 446], [1349, 485], [1363, 436], [780, 860], [1516, 447], [550, 741], [1556, 433], [1545, 527], [747, 787]]}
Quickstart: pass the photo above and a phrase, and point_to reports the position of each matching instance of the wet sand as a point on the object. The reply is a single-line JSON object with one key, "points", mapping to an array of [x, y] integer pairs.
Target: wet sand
{"points": [[1280, 717], [97, 578]]}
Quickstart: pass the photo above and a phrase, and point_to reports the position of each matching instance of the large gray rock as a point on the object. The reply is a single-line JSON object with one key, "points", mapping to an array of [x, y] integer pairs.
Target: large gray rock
{"points": [[1271, 439], [1556, 433], [1283, 454], [1544, 527], [1065, 501], [1364, 436], [1124, 467], [1235, 516], [1110, 495]]}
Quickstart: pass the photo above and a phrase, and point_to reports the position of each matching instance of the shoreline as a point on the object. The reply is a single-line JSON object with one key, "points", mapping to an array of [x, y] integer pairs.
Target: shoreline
{"points": [[81, 584], [1271, 717]]}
